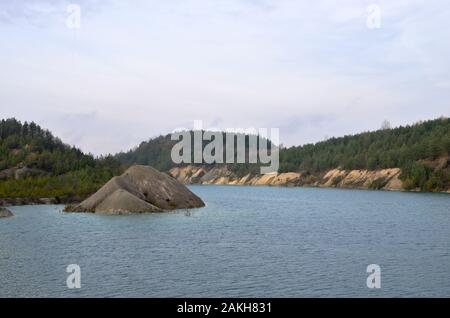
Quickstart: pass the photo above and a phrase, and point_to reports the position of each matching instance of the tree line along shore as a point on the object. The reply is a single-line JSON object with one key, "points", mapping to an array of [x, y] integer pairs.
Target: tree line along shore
{"points": [[37, 167]]}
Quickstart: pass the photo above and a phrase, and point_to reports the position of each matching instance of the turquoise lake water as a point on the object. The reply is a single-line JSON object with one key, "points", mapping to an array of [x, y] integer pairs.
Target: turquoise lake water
{"points": [[247, 242]]}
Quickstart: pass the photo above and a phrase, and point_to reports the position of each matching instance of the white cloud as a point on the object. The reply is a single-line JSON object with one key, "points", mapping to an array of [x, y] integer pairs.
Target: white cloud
{"points": [[137, 69]]}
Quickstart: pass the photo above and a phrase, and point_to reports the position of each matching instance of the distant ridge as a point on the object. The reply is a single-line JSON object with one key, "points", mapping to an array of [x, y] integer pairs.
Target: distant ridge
{"points": [[420, 150], [35, 164], [37, 167]]}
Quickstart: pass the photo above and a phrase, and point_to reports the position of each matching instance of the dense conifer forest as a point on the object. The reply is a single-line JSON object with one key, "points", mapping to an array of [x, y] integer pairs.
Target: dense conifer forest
{"points": [[416, 149], [34, 163]]}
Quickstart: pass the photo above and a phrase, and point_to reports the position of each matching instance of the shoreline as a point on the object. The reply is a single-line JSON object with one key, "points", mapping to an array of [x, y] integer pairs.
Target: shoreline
{"points": [[309, 186], [382, 179], [7, 202]]}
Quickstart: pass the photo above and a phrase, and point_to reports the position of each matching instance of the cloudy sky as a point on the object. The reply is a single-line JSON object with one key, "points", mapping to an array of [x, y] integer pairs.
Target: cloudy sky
{"points": [[135, 69]]}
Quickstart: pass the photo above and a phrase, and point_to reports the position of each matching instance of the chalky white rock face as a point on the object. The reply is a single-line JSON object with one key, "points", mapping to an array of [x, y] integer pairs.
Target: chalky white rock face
{"points": [[5, 213], [386, 179], [139, 189]]}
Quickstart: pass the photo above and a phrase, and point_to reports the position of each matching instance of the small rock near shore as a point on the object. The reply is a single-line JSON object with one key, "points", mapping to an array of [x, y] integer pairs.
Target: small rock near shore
{"points": [[5, 213]]}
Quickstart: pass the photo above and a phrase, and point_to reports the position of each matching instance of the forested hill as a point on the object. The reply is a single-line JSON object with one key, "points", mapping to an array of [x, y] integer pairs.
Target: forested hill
{"points": [[420, 150], [414, 148], [154, 152], [34, 163], [384, 148]]}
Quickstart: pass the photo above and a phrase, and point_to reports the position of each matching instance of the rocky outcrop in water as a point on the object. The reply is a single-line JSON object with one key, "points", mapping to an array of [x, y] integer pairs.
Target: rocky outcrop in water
{"points": [[386, 179], [139, 189], [5, 213]]}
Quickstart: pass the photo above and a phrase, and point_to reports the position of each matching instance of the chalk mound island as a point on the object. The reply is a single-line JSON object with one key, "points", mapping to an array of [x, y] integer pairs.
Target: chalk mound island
{"points": [[5, 213], [139, 189]]}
